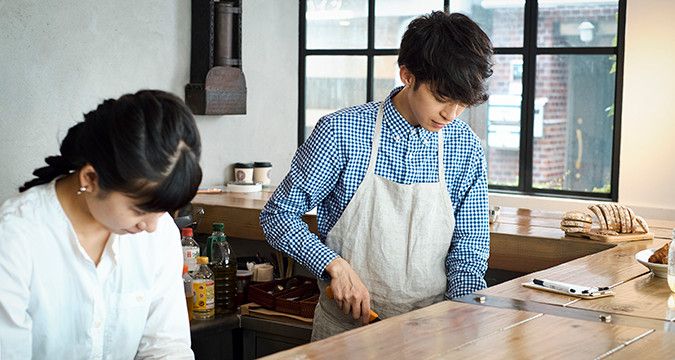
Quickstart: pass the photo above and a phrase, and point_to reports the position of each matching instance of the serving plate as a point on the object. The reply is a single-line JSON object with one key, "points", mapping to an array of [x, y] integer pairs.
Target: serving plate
{"points": [[659, 270]]}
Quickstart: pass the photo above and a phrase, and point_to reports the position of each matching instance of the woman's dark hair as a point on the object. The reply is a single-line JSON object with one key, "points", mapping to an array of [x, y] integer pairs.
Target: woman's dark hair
{"points": [[451, 54], [145, 145]]}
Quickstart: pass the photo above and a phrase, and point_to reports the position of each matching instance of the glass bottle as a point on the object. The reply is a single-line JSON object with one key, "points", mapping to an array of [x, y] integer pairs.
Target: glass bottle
{"points": [[203, 286]]}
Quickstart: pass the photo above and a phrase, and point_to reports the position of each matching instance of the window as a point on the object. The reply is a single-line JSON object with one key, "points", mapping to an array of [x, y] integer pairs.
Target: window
{"points": [[552, 123], [348, 52]]}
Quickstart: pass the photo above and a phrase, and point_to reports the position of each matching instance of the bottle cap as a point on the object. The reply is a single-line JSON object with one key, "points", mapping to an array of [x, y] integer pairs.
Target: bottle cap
{"points": [[218, 226], [202, 260], [185, 268], [186, 231]]}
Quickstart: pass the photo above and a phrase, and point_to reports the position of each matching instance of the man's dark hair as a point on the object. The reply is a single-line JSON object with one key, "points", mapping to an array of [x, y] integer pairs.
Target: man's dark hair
{"points": [[451, 54], [145, 145]]}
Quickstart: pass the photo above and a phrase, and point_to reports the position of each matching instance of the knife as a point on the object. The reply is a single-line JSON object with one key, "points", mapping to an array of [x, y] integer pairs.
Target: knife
{"points": [[373, 315]]}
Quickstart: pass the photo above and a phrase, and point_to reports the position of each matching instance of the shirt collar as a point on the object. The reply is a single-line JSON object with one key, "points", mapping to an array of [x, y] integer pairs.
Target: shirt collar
{"points": [[397, 124]]}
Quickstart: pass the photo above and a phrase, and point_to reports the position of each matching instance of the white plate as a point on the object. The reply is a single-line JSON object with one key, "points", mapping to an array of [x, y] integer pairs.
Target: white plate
{"points": [[659, 270]]}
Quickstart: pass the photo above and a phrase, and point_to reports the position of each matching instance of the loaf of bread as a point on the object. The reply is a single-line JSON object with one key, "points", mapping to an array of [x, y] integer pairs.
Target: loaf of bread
{"points": [[576, 222], [660, 256], [618, 218]]}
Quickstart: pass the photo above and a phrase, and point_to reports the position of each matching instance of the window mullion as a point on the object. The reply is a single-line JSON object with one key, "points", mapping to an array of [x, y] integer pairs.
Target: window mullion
{"points": [[371, 48], [527, 105], [302, 45], [618, 88]]}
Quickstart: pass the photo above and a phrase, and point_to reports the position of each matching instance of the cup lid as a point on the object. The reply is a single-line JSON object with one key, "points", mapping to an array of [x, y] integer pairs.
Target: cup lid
{"points": [[244, 273], [262, 164], [244, 165]]}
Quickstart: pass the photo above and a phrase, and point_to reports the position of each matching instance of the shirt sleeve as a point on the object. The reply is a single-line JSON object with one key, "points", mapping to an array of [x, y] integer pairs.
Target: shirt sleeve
{"points": [[313, 175], [167, 329], [15, 272], [466, 262]]}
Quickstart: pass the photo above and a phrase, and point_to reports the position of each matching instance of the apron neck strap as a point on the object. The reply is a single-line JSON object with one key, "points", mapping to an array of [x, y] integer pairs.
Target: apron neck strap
{"points": [[376, 138], [441, 166]]}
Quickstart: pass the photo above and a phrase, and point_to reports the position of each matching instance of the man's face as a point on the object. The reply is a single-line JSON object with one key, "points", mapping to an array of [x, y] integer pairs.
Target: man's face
{"points": [[431, 112]]}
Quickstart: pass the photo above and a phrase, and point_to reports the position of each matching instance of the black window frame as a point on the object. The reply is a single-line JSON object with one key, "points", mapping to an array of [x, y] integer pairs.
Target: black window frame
{"points": [[529, 52]]}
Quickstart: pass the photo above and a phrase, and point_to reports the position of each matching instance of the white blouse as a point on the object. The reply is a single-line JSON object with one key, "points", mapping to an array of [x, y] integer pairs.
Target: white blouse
{"points": [[56, 303]]}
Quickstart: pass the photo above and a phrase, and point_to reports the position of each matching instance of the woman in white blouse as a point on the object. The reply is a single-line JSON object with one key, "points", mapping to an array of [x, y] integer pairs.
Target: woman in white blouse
{"points": [[90, 261]]}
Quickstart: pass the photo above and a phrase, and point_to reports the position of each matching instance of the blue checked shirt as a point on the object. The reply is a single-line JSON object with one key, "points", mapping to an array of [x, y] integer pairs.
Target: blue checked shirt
{"points": [[329, 167]]}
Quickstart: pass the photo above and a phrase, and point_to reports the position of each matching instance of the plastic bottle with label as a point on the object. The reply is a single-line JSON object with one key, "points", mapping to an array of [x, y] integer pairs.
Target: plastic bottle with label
{"points": [[224, 266], [203, 286], [190, 250]]}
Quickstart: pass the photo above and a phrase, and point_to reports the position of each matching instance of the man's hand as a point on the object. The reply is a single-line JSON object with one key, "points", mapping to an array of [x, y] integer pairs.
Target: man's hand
{"points": [[349, 291]]}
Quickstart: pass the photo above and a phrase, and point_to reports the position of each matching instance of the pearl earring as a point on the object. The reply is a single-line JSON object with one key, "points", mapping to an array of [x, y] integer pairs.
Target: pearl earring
{"points": [[81, 190]]}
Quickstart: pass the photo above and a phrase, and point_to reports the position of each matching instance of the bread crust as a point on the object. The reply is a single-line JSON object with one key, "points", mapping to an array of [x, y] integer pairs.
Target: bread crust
{"points": [[598, 214], [575, 223], [608, 214], [631, 220], [578, 216], [622, 218], [643, 227], [570, 230], [660, 256]]}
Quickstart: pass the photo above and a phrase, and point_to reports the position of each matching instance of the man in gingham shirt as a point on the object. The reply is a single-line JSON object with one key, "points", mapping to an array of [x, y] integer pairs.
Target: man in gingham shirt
{"points": [[402, 215]]}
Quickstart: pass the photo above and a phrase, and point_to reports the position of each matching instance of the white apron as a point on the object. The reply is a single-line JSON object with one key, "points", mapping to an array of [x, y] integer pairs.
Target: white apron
{"points": [[396, 237]]}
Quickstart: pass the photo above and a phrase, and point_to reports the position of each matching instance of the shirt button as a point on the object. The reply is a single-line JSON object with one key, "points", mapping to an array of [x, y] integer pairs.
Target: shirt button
{"points": [[426, 142], [97, 324], [397, 138]]}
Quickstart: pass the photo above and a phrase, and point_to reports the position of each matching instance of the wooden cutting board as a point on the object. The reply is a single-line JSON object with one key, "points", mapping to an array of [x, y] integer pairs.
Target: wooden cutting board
{"points": [[613, 238]]}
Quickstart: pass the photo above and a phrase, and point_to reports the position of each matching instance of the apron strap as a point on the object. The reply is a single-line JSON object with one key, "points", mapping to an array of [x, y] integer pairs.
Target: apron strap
{"points": [[376, 139], [441, 166]]}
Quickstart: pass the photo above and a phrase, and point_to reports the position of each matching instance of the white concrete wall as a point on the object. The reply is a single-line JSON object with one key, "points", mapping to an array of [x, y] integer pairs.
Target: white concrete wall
{"points": [[59, 59], [268, 131]]}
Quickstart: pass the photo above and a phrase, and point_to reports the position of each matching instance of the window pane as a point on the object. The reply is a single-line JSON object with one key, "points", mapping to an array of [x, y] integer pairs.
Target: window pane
{"points": [[386, 76], [332, 83], [497, 121], [564, 23], [392, 18], [502, 20], [573, 123], [335, 24]]}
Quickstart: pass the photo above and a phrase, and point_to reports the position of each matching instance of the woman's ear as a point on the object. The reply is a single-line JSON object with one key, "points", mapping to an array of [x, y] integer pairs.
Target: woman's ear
{"points": [[407, 77], [88, 178]]}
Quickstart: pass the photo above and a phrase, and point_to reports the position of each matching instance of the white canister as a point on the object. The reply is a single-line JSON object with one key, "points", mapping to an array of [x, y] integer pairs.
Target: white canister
{"points": [[261, 172], [243, 173]]}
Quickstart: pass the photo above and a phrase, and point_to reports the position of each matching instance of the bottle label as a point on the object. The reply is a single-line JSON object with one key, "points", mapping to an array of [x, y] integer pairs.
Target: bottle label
{"points": [[190, 254], [204, 294]]}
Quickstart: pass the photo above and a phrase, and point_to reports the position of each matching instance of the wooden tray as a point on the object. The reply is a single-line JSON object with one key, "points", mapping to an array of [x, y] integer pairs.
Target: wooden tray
{"points": [[613, 238]]}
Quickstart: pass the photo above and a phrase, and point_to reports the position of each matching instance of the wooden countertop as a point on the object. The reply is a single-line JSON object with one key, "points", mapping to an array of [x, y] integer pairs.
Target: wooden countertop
{"points": [[525, 323], [451, 330]]}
